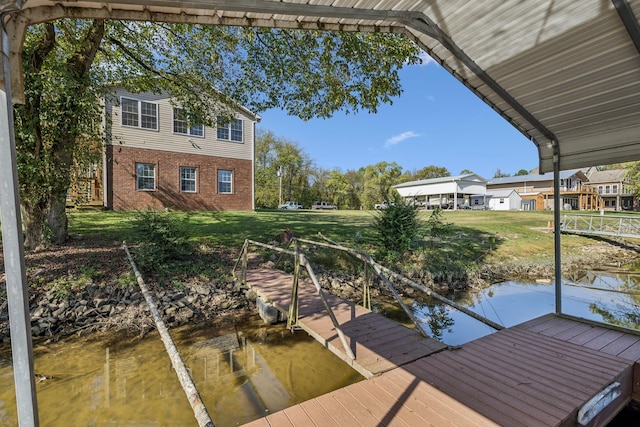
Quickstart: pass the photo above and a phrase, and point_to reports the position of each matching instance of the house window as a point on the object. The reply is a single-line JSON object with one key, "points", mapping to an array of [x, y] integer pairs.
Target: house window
{"points": [[145, 176], [180, 124], [139, 114], [230, 131], [501, 200], [607, 189], [599, 189], [187, 179], [615, 189], [224, 181]]}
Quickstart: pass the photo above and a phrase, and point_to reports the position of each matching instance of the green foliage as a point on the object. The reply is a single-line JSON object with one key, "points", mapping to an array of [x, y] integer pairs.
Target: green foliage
{"points": [[633, 176], [499, 174], [437, 226], [378, 182], [430, 172], [69, 66], [522, 172], [163, 240], [396, 228]]}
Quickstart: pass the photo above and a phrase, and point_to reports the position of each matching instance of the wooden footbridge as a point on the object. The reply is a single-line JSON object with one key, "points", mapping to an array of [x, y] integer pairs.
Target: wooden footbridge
{"points": [[550, 371]]}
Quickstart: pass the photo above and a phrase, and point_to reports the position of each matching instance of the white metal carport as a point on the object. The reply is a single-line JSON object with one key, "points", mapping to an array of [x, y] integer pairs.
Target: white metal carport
{"points": [[565, 73]]}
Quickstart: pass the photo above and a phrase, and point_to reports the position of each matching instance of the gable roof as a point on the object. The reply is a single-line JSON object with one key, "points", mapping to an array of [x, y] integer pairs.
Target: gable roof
{"points": [[563, 72], [503, 194], [611, 175], [537, 177], [466, 177]]}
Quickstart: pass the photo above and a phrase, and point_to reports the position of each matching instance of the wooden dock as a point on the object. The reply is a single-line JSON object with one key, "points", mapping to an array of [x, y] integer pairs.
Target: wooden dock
{"points": [[539, 373], [379, 344]]}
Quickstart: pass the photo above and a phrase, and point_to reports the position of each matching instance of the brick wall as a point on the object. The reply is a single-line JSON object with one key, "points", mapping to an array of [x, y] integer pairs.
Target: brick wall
{"points": [[123, 194]]}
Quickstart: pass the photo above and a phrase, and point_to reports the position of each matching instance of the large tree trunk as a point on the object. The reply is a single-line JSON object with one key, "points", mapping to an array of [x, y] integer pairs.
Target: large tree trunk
{"points": [[33, 220], [57, 218]]}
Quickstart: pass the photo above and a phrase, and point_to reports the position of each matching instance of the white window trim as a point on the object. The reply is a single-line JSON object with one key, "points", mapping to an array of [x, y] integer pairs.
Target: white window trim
{"points": [[155, 177], [173, 128], [227, 126], [139, 101], [195, 179], [231, 182]]}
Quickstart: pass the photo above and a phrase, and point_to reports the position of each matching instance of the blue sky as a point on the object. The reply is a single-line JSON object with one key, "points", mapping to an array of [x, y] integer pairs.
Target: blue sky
{"points": [[435, 121]]}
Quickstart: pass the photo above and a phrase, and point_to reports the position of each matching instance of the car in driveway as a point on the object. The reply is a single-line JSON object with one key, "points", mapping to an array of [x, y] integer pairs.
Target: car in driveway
{"points": [[290, 205], [323, 205]]}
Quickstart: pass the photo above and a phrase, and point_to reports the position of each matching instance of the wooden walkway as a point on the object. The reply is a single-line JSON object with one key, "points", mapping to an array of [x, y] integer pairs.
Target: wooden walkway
{"points": [[539, 373], [379, 344]]}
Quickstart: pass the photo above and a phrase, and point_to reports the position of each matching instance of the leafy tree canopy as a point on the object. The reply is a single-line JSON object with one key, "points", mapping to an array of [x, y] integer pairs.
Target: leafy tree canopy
{"points": [[429, 172], [499, 174], [522, 172], [70, 64]]}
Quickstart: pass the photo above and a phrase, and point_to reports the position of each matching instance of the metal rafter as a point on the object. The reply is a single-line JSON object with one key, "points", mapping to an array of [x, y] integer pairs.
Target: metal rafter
{"points": [[629, 20]]}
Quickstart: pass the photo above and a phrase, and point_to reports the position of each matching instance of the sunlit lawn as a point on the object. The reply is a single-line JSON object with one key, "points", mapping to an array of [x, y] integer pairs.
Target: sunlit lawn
{"points": [[498, 234]]}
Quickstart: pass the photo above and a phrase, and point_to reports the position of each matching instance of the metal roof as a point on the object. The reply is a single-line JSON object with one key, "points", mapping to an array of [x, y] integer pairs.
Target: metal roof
{"points": [[537, 177], [561, 71], [467, 177]]}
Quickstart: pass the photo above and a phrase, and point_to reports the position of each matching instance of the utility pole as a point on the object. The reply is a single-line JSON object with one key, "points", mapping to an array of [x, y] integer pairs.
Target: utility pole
{"points": [[279, 173]]}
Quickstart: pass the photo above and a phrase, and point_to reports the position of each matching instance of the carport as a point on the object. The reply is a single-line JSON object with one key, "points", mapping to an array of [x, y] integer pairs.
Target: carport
{"points": [[565, 73]]}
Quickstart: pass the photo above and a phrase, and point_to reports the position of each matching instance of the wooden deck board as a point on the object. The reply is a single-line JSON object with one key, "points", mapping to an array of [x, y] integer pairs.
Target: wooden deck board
{"points": [[537, 373], [378, 343]]}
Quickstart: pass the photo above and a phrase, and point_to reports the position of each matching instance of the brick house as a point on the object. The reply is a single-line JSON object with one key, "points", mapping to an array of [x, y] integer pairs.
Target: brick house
{"points": [[153, 159]]}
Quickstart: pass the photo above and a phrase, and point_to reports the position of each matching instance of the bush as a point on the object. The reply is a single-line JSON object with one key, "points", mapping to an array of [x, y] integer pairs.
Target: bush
{"points": [[163, 240], [396, 228]]}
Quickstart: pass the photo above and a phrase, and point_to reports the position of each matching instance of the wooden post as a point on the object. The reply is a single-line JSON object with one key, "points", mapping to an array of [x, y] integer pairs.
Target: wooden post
{"points": [[292, 318], [336, 325], [245, 257], [398, 298], [199, 410], [365, 256]]}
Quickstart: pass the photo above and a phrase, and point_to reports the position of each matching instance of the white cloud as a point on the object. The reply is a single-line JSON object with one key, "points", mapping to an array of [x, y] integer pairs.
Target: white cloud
{"points": [[394, 140]]}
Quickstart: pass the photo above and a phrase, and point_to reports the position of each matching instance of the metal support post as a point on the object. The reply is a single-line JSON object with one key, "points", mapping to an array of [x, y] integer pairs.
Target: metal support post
{"points": [[557, 200], [13, 248]]}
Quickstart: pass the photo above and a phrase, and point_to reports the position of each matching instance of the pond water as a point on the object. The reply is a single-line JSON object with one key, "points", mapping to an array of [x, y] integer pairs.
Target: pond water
{"points": [[241, 374], [246, 371], [602, 297]]}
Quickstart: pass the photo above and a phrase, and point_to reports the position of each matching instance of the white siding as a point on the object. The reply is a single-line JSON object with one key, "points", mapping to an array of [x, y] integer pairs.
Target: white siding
{"points": [[165, 139], [429, 189], [510, 202]]}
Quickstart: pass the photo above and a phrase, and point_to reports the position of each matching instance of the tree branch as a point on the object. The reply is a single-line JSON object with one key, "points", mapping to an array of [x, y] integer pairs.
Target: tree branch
{"points": [[83, 59]]}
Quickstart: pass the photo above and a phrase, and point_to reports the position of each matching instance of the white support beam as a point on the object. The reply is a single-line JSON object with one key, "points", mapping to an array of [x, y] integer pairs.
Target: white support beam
{"points": [[14, 264]]}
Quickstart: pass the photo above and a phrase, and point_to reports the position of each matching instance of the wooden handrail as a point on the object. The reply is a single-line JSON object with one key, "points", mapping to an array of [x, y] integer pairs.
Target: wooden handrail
{"points": [[302, 260], [367, 258]]}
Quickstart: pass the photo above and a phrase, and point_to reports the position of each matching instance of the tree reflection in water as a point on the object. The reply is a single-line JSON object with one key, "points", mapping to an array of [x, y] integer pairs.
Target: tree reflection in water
{"points": [[436, 316]]}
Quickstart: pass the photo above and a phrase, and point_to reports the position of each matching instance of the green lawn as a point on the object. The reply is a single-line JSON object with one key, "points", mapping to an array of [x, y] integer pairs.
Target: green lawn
{"points": [[493, 235]]}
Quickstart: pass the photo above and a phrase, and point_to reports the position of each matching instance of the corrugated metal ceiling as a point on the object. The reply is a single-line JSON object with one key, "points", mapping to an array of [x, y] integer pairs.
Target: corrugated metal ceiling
{"points": [[556, 69]]}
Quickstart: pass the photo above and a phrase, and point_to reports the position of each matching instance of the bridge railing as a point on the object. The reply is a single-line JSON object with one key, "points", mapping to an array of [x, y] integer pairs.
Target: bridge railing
{"points": [[300, 260], [382, 271], [604, 225]]}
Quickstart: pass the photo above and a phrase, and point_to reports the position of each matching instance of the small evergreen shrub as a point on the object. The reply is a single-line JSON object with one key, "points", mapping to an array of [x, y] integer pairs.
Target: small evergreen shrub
{"points": [[396, 228], [163, 240]]}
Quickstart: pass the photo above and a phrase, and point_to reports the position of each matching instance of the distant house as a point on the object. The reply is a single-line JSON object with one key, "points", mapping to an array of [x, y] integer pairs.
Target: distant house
{"points": [[537, 190], [613, 187], [504, 200], [450, 192], [153, 158]]}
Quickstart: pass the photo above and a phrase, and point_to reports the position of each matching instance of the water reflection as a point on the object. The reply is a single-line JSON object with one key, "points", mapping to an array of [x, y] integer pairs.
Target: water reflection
{"points": [[608, 298], [241, 375]]}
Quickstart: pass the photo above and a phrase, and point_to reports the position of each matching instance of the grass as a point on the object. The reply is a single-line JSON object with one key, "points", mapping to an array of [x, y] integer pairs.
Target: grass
{"points": [[230, 229], [474, 236]]}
